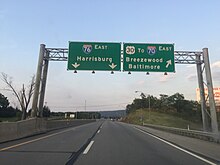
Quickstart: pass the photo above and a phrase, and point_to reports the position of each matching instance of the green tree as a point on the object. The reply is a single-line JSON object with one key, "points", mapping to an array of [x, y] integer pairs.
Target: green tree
{"points": [[137, 104], [46, 111], [4, 103], [143, 96], [175, 104], [176, 101]]}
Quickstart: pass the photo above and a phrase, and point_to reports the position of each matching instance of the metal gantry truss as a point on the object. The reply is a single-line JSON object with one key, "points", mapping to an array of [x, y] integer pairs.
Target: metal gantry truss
{"points": [[57, 54], [199, 58], [187, 57], [180, 57]]}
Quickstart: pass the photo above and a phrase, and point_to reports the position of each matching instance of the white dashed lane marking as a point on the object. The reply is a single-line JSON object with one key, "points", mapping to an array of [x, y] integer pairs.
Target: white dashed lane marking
{"points": [[88, 147]]}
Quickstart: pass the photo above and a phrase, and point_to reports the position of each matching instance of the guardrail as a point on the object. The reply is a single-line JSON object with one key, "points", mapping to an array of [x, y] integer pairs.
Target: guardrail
{"points": [[208, 136]]}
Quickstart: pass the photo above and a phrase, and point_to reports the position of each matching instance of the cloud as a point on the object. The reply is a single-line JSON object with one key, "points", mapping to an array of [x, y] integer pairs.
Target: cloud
{"points": [[216, 71], [191, 66], [216, 64], [165, 78], [192, 77], [216, 76], [141, 82], [68, 96]]}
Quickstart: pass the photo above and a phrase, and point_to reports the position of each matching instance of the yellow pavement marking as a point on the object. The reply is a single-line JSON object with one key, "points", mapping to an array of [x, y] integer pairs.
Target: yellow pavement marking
{"points": [[34, 140]]}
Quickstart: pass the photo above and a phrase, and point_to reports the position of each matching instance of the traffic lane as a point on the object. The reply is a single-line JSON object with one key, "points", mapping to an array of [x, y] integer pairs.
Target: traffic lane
{"points": [[61, 146], [55, 149], [39, 137], [120, 144], [32, 137]]}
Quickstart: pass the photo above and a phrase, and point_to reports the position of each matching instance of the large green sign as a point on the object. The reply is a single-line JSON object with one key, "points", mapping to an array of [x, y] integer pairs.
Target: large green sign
{"points": [[94, 56], [148, 57]]}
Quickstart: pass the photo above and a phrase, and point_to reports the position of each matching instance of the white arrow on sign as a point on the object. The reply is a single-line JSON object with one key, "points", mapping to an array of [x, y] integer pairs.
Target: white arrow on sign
{"points": [[75, 65], [112, 66], [169, 62]]}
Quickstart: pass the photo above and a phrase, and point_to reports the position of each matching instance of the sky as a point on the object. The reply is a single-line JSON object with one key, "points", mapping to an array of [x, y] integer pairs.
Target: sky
{"points": [[190, 25]]}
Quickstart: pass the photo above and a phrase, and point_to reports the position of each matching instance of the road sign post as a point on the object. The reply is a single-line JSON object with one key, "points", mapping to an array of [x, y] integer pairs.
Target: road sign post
{"points": [[94, 56], [148, 57]]}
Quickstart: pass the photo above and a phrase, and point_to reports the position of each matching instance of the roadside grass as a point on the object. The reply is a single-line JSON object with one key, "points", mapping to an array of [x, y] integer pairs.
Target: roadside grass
{"points": [[161, 118]]}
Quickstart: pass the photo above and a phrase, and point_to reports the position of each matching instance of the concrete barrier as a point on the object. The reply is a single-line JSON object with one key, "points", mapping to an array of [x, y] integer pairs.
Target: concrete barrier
{"points": [[16, 130], [8, 131]]}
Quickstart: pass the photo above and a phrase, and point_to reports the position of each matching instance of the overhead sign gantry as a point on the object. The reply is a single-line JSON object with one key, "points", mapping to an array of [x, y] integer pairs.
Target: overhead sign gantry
{"points": [[85, 60]]}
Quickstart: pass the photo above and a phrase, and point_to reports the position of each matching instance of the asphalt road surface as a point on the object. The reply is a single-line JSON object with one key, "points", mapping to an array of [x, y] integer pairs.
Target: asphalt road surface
{"points": [[98, 143]]}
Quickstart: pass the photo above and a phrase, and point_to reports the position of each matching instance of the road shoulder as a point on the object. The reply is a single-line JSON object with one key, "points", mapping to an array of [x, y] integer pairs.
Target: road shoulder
{"points": [[203, 148]]}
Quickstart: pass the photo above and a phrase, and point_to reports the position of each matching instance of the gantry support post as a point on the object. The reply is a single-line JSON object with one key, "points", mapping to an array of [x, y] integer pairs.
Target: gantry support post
{"points": [[212, 106], [38, 81], [205, 116], [43, 83]]}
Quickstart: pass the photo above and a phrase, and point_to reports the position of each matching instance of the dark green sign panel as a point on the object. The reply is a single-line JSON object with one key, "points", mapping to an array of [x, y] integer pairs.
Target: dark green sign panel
{"points": [[148, 57], [94, 56]]}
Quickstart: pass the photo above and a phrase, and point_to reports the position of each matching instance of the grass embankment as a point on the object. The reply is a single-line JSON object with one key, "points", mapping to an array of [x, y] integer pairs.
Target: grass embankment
{"points": [[160, 118]]}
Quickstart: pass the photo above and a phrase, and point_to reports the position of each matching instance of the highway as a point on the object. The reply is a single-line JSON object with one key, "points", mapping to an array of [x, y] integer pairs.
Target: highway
{"points": [[98, 143]]}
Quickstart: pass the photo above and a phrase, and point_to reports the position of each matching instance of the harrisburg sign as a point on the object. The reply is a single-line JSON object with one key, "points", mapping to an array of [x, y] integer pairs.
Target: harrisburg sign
{"points": [[94, 56]]}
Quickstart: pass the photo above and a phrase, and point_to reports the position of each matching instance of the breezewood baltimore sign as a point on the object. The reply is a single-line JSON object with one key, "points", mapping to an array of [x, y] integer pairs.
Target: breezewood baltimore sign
{"points": [[148, 57]]}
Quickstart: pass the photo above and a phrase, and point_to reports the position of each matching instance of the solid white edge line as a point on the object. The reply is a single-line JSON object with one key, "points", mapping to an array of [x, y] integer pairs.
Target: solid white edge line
{"points": [[88, 147], [181, 149]]}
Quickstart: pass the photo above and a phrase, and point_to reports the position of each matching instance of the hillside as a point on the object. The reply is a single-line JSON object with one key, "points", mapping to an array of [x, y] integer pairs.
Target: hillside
{"points": [[161, 118], [113, 114]]}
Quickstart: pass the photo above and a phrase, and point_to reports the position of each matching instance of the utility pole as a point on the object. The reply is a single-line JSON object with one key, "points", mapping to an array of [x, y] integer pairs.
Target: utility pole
{"points": [[148, 103]]}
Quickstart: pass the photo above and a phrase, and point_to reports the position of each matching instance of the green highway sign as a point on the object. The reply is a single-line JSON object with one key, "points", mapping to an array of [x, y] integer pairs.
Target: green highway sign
{"points": [[148, 57], [94, 56]]}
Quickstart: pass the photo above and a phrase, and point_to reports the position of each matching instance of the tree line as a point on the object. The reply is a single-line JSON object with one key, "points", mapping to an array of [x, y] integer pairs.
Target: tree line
{"points": [[7, 111], [175, 104]]}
